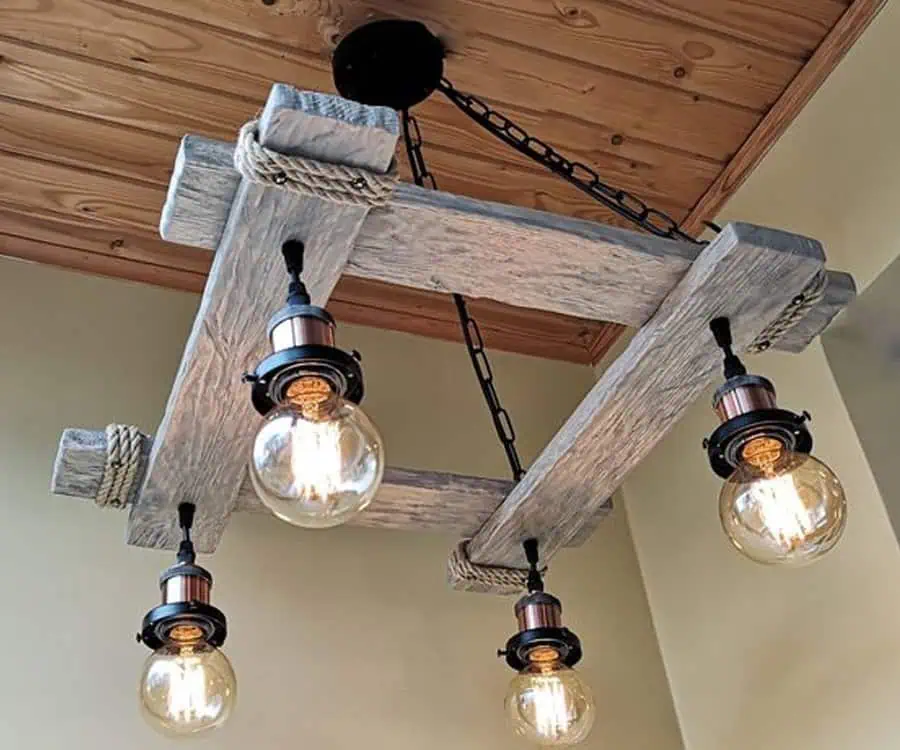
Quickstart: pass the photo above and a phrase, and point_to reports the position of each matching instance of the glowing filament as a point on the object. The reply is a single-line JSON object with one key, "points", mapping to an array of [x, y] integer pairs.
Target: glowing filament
{"points": [[315, 458]]}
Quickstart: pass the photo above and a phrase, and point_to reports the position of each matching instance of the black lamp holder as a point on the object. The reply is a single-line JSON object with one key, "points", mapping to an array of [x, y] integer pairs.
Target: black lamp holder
{"points": [[540, 621], [747, 407], [185, 610], [302, 338]]}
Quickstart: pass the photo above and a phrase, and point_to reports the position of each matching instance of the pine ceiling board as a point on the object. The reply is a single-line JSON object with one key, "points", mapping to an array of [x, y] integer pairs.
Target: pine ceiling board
{"points": [[611, 37], [92, 153], [35, 130], [177, 50], [643, 110], [57, 188], [98, 264], [836, 44], [86, 88], [637, 45], [795, 27], [79, 85], [84, 234], [647, 170]]}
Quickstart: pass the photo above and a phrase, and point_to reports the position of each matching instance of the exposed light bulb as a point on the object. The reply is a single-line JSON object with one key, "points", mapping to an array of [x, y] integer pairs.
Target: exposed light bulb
{"points": [[548, 702], [187, 688], [317, 459], [782, 507]]}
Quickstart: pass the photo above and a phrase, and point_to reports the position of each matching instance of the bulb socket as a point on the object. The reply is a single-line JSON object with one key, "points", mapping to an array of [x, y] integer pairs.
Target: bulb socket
{"points": [[541, 633], [185, 614], [538, 610], [302, 338], [743, 394], [753, 427], [185, 583], [300, 325]]}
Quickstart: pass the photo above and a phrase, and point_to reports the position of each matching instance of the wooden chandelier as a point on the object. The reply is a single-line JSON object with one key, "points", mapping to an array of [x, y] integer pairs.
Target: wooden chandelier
{"points": [[440, 242]]}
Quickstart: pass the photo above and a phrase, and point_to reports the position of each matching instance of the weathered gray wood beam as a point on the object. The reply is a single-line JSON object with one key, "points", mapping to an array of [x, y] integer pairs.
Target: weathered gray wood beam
{"points": [[747, 273], [441, 242], [200, 449], [408, 500]]}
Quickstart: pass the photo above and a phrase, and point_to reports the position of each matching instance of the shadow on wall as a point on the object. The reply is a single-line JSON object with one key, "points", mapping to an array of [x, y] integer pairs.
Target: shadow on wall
{"points": [[863, 350]]}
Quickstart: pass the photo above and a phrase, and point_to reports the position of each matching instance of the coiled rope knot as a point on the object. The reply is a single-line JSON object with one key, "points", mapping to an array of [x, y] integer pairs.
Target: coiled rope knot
{"points": [[332, 182], [484, 578], [123, 459], [792, 314]]}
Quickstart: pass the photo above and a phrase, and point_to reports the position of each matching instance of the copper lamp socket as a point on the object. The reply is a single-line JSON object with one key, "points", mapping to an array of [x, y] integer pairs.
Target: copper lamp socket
{"points": [[538, 610], [743, 394], [301, 325]]}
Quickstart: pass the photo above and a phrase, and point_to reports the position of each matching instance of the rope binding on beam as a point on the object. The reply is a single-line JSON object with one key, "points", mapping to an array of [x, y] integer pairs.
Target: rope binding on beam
{"points": [[331, 182]]}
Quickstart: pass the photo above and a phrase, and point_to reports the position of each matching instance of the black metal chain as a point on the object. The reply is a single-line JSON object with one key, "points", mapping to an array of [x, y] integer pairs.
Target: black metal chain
{"points": [[412, 138], [580, 175]]}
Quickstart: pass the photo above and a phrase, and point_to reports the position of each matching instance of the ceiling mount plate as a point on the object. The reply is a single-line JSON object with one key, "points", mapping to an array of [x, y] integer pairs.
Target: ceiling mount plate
{"points": [[391, 63]]}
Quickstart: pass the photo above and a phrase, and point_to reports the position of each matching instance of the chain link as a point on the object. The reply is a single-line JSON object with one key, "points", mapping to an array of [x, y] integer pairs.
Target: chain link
{"points": [[482, 366], [412, 138], [580, 175]]}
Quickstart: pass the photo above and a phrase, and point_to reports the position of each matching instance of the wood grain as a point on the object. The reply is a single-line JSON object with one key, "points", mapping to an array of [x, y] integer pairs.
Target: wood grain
{"points": [[48, 186], [99, 264], [748, 274], [825, 59], [69, 242], [165, 46], [794, 27], [407, 500], [209, 422], [604, 36], [434, 241], [76, 233]]}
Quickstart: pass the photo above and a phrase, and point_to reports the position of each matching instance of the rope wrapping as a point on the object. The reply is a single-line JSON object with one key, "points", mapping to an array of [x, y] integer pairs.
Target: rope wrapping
{"points": [[331, 182], [490, 579], [795, 312], [123, 459]]}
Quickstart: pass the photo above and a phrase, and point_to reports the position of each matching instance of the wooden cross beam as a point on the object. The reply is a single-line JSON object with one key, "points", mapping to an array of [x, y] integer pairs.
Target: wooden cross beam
{"points": [[201, 446], [748, 274], [438, 242], [408, 499]]}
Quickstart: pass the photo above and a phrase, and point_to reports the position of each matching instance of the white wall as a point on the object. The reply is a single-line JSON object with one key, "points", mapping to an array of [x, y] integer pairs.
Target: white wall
{"points": [[341, 639], [791, 659]]}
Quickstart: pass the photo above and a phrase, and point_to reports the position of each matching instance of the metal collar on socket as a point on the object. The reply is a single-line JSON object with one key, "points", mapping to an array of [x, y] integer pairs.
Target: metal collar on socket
{"points": [[540, 626], [302, 338], [300, 325], [747, 407], [185, 608]]}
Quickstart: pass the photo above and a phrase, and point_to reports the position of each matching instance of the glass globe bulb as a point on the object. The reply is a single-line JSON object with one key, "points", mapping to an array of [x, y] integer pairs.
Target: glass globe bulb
{"points": [[781, 507], [316, 465], [549, 703], [187, 688]]}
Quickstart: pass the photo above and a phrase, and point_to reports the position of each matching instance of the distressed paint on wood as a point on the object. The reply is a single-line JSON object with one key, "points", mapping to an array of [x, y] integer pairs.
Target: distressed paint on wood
{"points": [[205, 434], [748, 274], [437, 241]]}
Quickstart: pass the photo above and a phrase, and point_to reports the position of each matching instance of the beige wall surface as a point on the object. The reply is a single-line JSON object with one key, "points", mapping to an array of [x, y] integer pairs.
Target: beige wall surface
{"points": [[764, 657], [341, 639]]}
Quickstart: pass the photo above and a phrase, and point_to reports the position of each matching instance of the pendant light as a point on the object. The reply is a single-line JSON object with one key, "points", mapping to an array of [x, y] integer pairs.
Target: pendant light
{"points": [[548, 702], [317, 459], [779, 504], [187, 685]]}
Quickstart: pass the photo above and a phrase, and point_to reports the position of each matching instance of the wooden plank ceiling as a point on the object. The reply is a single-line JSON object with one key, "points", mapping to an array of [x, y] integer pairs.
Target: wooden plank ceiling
{"points": [[675, 100]]}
